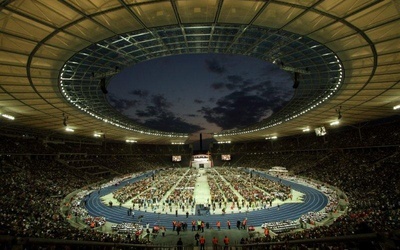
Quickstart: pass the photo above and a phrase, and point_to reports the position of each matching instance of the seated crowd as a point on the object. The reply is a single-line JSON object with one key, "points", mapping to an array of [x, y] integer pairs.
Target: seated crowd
{"points": [[33, 191], [254, 191], [149, 193], [362, 165]]}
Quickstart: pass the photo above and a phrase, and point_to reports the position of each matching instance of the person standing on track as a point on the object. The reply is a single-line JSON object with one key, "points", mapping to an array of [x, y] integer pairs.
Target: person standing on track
{"points": [[179, 244], [226, 242], [202, 242], [215, 243]]}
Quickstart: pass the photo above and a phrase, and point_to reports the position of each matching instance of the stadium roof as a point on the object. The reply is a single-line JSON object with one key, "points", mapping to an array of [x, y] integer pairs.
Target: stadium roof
{"points": [[57, 58]]}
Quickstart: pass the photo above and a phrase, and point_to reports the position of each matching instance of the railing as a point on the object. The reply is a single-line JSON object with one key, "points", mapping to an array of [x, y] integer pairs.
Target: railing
{"points": [[359, 241]]}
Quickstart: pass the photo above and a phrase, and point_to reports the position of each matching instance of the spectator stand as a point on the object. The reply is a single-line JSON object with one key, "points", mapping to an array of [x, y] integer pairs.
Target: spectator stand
{"points": [[94, 222], [313, 218], [127, 228], [282, 226]]}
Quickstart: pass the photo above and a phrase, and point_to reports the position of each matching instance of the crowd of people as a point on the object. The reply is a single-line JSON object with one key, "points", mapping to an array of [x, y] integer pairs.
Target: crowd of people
{"points": [[173, 190], [168, 189], [368, 177], [254, 191], [221, 191], [363, 165], [32, 192], [313, 217], [183, 192], [282, 226], [371, 134], [372, 190]]}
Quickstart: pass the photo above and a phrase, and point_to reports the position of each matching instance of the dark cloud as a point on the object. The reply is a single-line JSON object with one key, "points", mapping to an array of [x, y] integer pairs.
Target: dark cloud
{"points": [[248, 82], [235, 111], [149, 111], [247, 105], [139, 92], [230, 86], [233, 82], [170, 123], [157, 115], [198, 101], [222, 86], [157, 106], [122, 104], [214, 66], [218, 85], [265, 88], [161, 102], [235, 79]]}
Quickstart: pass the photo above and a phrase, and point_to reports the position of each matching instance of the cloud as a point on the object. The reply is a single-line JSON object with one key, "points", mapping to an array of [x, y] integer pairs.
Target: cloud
{"points": [[217, 85], [157, 106], [161, 102], [157, 115], [233, 82], [235, 79], [149, 111], [223, 86], [170, 123], [139, 92], [122, 104], [230, 86], [248, 104], [198, 101], [214, 66]]}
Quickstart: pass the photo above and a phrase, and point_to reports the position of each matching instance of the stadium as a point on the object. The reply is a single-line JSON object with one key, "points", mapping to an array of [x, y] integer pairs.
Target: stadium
{"points": [[319, 173]]}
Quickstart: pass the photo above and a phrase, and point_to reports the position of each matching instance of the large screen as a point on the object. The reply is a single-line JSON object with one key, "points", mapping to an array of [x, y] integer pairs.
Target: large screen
{"points": [[176, 158], [321, 131], [226, 157]]}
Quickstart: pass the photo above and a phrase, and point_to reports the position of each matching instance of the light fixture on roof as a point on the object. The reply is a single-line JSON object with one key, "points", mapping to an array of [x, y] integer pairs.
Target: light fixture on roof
{"points": [[9, 117], [271, 137], [130, 141], [278, 62], [69, 129], [334, 123], [396, 107], [306, 129]]}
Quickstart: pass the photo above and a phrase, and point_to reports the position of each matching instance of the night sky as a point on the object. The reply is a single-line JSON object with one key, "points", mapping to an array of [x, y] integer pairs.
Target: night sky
{"points": [[200, 93]]}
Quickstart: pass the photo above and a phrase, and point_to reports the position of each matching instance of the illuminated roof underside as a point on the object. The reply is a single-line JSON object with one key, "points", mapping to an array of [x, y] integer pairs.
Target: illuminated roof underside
{"points": [[44, 41], [319, 70]]}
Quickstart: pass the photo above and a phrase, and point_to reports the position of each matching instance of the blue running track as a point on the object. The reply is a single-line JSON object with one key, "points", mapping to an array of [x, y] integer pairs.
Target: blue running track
{"points": [[313, 201]]}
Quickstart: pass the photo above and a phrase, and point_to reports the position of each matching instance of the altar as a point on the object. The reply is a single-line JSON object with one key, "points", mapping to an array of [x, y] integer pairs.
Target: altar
{"points": [[201, 161]]}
